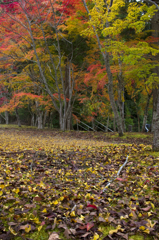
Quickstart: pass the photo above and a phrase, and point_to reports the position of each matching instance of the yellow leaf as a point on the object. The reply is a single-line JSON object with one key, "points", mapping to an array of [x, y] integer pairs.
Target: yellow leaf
{"points": [[39, 228], [17, 191], [113, 231], [2, 186], [28, 228], [149, 214], [131, 215], [95, 237], [36, 220], [142, 228], [147, 231], [30, 188], [12, 231], [44, 211], [81, 217], [150, 224], [1, 193], [42, 185], [55, 202], [153, 206], [72, 214]]}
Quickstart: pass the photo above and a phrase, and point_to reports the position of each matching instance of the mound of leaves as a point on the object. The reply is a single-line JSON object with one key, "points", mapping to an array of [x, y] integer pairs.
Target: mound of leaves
{"points": [[78, 193]]}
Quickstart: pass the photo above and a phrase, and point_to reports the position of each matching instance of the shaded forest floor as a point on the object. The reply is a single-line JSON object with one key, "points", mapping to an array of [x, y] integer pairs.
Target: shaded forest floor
{"points": [[66, 185]]}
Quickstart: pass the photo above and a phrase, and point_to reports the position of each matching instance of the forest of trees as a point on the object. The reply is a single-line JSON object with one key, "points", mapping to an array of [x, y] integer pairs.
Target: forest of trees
{"points": [[80, 60]]}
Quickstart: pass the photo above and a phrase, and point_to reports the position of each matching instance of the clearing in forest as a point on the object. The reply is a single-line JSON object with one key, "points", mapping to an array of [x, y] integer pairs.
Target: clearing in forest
{"points": [[56, 185]]}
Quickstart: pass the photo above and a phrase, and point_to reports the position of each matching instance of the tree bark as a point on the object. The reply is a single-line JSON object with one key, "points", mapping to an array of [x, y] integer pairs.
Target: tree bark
{"points": [[121, 95], [40, 120], [17, 116], [7, 117], [155, 145], [39, 116], [114, 125], [146, 112], [155, 125], [33, 120]]}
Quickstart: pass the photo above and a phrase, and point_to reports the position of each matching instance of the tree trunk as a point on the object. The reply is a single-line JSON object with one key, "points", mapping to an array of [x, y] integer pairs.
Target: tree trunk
{"points": [[17, 116], [121, 95], [45, 117], [33, 120], [40, 120], [117, 117], [7, 117], [138, 122], [39, 116], [155, 145], [155, 121], [114, 125], [146, 112], [69, 122]]}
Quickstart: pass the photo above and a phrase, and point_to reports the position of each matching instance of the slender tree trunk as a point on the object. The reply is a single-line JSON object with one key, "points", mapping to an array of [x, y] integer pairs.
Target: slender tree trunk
{"points": [[138, 122], [0, 119], [39, 116], [69, 120], [118, 119], [17, 116], [107, 124], [121, 95], [146, 112], [6, 117]]}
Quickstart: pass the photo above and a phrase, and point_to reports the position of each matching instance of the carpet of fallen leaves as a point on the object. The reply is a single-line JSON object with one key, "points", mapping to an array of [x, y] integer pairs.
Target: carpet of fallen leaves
{"points": [[51, 181]]}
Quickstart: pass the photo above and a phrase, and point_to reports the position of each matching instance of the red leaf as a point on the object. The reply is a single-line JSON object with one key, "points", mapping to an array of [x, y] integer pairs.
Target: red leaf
{"points": [[89, 226], [92, 206]]}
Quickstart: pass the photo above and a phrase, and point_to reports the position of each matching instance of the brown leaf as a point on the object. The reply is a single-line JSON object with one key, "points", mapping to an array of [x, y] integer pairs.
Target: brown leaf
{"points": [[146, 209], [54, 236], [125, 236], [101, 219], [67, 233], [86, 234], [37, 199]]}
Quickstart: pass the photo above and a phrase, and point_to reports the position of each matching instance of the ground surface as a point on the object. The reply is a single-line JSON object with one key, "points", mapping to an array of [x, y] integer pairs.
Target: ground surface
{"points": [[53, 185]]}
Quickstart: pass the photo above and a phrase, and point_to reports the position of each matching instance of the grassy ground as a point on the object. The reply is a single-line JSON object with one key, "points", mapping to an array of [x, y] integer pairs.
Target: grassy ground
{"points": [[53, 185]]}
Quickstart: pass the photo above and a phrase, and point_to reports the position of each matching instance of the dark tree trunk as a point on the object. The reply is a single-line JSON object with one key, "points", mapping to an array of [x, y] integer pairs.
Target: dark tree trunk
{"points": [[17, 116], [155, 122], [155, 145]]}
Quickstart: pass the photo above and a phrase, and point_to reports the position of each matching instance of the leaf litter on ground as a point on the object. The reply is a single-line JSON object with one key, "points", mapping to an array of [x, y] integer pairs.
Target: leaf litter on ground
{"points": [[58, 184]]}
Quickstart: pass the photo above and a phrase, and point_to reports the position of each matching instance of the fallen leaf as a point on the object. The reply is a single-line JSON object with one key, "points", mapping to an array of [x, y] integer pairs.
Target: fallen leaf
{"points": [[54, 236]]}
